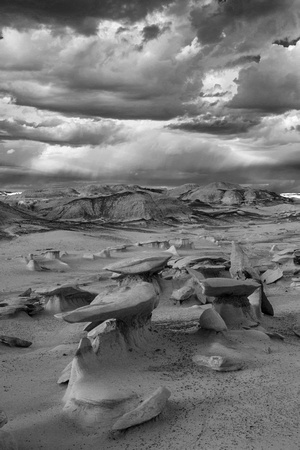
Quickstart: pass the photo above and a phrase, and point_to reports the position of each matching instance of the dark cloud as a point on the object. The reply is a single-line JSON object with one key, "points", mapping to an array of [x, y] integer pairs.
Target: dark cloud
{"points": [[151, 32], [286, 42], [216, 125], [81, 15], [216, 94], [242, 60], [218, 20]]}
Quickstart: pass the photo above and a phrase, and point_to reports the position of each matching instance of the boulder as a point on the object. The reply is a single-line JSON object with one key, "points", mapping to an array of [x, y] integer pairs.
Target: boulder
{"points": [[211, 320]]}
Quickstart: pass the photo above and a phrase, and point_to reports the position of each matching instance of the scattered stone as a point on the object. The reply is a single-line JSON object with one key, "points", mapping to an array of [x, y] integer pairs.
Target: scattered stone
{"points": [[172, 250], [218, 363], [26, 293], [181, 243], [271, 275], [103, 254], [182, 294], [14, 342], [147, 410]]}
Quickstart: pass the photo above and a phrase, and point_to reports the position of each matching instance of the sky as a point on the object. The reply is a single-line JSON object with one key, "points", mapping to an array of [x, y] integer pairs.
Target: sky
{"points": [[155, 92]]}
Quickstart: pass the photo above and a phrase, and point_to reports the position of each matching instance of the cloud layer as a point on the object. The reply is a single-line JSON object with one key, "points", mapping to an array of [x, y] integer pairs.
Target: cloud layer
{"points": [[160, 91]]}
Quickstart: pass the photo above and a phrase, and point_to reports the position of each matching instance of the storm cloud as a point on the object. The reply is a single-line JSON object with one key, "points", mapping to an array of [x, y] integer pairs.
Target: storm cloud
{"points": [[82, 16], [160, 91]]}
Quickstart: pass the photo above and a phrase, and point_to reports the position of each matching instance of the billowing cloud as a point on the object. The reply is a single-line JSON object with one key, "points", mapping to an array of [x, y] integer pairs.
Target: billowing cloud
{"points": [[94, 76], [242, 26], [72, 131], [161, 91], [259, 89]]}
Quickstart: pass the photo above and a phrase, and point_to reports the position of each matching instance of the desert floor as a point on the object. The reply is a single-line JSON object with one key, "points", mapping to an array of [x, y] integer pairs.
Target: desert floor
{"points": [[255, 408]]}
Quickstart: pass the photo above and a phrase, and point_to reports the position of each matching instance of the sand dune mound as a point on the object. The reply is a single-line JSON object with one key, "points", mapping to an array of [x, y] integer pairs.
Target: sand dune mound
{"points": [[232, 194], [124, 206]]}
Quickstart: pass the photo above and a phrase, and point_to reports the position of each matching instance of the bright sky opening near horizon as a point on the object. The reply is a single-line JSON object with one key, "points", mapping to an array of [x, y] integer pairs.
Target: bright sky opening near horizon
{"points": [[154, 92]]}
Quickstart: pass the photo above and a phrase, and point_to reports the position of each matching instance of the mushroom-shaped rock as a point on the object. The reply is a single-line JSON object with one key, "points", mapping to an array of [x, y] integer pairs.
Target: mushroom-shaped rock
{"points": [[34, 266], [67, 298], [218, 287], [147, 410], [92, 384], [104, 384], [211, 320], [136, 266], [52, 254], [121, 303], [231, 299]]}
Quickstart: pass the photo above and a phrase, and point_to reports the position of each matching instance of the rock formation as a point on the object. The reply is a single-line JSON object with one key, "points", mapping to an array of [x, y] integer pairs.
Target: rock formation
{"points": [[101, 388]]}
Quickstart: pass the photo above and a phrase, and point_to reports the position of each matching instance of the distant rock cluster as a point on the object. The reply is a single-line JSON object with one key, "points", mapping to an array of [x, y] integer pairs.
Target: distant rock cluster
{"points": [[226, 194], [189, 203]]}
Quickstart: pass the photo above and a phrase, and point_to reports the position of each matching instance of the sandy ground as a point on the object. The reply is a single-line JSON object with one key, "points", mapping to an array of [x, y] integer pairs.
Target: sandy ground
{"points": [[255, 408]]}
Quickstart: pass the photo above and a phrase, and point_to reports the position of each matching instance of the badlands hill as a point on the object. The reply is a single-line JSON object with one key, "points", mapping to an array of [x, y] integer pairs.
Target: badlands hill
{"points": [[126, 206], [228, 194], [9, 214], [120, 203]]}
